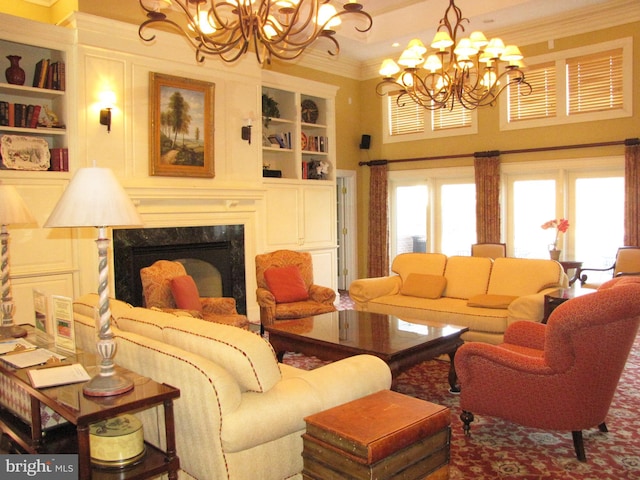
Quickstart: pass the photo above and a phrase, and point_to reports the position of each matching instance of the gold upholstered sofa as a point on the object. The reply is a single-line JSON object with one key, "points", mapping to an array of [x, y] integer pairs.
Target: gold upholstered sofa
{"points": [[240, 415], [483, 294]]}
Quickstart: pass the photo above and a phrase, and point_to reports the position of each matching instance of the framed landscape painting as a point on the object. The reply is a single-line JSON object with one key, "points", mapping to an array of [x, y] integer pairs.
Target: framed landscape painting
{"points": [[181, 127]]}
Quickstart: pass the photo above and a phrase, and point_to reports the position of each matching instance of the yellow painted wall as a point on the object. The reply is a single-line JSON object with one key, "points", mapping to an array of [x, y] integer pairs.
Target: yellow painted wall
{"points": [[54, 14]]}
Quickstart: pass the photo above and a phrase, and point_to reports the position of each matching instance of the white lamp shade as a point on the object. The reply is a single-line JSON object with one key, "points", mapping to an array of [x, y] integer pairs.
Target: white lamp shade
{"points": [[13, 210], [94, 198]]}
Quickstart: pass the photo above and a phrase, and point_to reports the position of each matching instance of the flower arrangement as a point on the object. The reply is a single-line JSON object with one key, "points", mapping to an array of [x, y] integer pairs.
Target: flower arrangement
{"points": [[561, 225]]}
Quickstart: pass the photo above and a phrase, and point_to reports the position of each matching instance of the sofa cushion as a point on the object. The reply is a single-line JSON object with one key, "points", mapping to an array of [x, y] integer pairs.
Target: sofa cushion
{"points": [[248, 357], [467, 276], [524, 276], [185, 293], [429, 263], [286, 284], [491, 301], [424, 285]]}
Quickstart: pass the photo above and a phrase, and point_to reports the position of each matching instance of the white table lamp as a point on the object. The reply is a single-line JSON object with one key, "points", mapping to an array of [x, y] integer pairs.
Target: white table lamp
{"points": [[95, 198], [13, 211]]}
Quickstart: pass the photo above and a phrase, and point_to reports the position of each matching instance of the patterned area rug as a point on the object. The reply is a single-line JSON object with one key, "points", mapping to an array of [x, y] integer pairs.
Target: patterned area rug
{"points": [[498, 449]]}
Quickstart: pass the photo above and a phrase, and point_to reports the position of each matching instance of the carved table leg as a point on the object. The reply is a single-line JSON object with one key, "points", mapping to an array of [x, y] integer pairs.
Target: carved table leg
{"points": [[467, 418], [453, 376]]}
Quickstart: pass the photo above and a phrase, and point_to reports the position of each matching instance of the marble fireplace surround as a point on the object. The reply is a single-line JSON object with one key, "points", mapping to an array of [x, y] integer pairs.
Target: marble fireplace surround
{"points": [[220, 245]]}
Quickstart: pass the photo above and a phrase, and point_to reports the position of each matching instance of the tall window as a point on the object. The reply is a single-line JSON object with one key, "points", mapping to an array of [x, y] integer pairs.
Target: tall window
{"points": [[588, 192], [435, 213]]}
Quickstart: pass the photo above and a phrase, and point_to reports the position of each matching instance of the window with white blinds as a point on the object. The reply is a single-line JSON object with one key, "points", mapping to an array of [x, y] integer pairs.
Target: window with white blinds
{"points": [[578, 85], [408, 120], [595, 82], [541, 102], [405, 116]]}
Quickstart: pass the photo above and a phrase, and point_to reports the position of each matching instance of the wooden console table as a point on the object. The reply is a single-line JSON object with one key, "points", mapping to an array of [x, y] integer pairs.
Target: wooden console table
{"points": [[572, 265], [81, 411]]}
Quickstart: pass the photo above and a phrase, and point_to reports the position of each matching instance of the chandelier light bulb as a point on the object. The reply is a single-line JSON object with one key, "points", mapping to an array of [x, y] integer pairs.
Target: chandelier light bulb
{"points": [[410, 58], [495, 47], [417, 46], [389, 68], [465, 48], [204, 24], [511, 54], [325, 14], [478, 40], [272, 28], [432, 63], [441, 41]]}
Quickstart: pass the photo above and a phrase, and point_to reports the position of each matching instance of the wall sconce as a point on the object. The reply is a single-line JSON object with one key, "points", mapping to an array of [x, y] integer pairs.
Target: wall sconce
{"points": [[107, 101], [246, 131]]}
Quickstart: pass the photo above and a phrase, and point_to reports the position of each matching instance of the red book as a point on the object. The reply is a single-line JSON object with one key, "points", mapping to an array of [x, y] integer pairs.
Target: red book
{"points": [[35, 116]]}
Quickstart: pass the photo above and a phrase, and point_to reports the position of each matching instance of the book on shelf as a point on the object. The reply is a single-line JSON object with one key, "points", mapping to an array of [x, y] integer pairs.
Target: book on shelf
{"points": [[4, 113], [59, 159], [34, 115]]}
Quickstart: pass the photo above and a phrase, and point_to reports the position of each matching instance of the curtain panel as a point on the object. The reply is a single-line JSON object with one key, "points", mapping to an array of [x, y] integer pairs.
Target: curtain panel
{"points": [[487, 177], [632, 193], [378, 257]]}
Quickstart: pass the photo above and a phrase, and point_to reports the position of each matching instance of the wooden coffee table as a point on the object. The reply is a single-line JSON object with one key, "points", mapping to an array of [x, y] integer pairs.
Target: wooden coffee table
{"points": [[400, 343]]}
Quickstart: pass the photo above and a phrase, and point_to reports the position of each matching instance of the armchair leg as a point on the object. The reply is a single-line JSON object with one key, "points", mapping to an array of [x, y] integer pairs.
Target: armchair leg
{"points": [[467, 418], [578, 445]]}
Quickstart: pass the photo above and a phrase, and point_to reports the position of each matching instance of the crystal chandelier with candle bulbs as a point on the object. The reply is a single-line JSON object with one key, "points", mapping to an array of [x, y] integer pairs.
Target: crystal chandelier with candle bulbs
{"points": [[471, 71], [272, 28]]}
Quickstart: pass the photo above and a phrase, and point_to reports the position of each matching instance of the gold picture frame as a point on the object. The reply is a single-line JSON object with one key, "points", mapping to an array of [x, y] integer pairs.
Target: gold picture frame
{"points": [[183, 149]]}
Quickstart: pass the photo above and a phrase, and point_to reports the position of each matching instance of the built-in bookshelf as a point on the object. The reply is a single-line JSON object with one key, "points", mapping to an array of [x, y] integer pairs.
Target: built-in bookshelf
{"points": [[36, 108], [298, 133]]}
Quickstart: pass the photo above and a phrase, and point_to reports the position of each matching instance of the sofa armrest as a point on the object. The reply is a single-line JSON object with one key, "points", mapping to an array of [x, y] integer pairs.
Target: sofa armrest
{"points": [[365, 289], [218, 305], [322, 294], [526, 307]]}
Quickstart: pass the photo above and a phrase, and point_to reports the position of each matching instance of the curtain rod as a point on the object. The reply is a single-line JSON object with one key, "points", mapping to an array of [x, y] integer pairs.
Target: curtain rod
{"points": [[495, 153]]}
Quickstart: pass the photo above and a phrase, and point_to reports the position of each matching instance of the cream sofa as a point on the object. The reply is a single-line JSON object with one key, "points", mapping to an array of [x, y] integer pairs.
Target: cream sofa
{"points": [[240, 413], [480, 293]]}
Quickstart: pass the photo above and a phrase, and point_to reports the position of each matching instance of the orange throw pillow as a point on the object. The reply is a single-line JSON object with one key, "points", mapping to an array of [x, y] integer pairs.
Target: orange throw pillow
{"points": [[185, 293], [286, 284], [424, 285], [491, 301]]}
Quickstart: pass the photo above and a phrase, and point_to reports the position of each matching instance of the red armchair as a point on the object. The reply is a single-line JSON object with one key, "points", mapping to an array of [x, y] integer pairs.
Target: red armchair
{"points": [[558, 376]]}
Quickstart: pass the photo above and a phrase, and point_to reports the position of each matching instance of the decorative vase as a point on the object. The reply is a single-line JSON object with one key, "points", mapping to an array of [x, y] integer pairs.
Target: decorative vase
{"points": [[15, 73], [554, 254]]}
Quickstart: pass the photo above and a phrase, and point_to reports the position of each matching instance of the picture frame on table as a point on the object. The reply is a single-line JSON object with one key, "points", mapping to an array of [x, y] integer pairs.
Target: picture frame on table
{"points": [[181, 127]]}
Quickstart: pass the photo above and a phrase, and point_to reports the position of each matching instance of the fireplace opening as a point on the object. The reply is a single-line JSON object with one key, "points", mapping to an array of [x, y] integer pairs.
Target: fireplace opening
{"points": [[213, 256]]}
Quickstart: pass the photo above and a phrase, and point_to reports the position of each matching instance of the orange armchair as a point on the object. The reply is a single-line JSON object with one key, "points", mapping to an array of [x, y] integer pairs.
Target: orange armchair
{"points": [[558, 376], [156, 291], [319, 299]]}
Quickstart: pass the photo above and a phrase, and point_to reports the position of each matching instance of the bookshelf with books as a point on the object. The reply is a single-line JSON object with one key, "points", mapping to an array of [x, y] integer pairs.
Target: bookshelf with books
{"points": [[37, 108]]}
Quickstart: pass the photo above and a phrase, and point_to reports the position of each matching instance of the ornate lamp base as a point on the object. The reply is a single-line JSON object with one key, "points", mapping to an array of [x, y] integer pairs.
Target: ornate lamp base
{"points": [[106, 386], [12, 331]]}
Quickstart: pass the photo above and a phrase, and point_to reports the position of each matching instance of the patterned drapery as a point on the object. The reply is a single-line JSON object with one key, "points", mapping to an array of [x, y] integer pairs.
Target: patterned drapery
{"points": [[487, 176], [632, 193], [378, 258]]}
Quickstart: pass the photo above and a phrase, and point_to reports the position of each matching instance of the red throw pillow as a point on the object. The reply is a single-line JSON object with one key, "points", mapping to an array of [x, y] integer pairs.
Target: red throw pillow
{"points": [[286, 284], [185, 293]]}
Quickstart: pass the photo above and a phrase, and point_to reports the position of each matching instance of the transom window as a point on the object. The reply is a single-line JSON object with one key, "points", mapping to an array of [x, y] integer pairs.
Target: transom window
{"points": [[578, 85]]}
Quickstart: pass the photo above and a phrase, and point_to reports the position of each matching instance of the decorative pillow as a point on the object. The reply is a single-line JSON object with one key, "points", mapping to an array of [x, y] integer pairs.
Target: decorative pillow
{"points": [[185, 293], [491, 301], [286, 284], [424, 285]]}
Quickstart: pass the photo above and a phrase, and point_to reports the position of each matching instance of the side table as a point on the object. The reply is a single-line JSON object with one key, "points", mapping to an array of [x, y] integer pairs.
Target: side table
{"points": [[81, 411], [556, 298]]}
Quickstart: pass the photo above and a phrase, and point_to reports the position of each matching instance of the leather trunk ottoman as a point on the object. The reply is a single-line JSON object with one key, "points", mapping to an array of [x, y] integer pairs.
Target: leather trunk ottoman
{"points": [[383, 436]]}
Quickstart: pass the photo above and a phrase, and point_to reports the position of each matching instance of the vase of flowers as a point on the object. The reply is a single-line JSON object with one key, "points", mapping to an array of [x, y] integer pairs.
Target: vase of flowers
{"points": [[561, 225]]}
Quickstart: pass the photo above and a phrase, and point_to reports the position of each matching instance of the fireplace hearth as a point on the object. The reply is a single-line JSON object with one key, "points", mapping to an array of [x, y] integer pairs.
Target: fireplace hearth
{"points": [[221, 246]]}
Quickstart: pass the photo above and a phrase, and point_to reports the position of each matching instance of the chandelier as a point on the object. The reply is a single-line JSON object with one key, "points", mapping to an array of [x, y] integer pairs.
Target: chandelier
{"points": [[274, 28], [472, 71]]}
